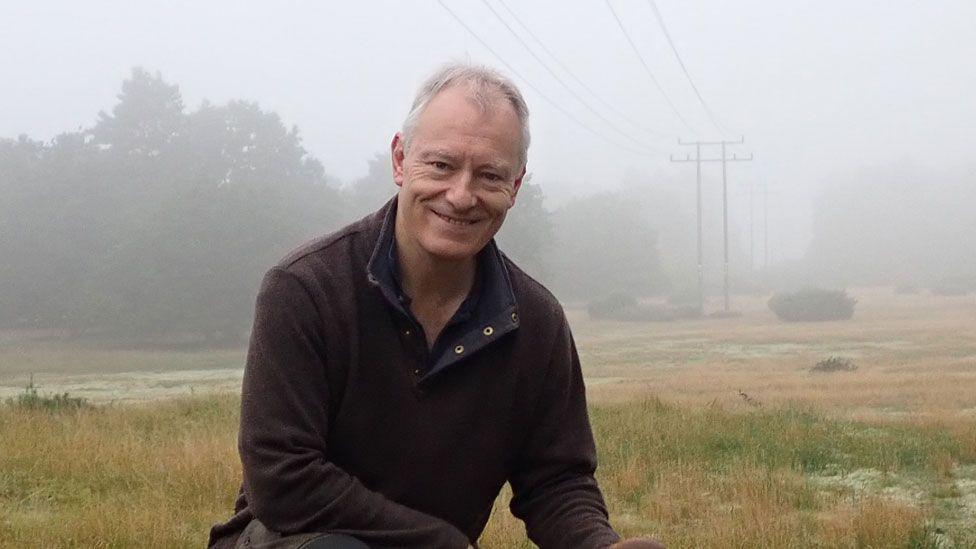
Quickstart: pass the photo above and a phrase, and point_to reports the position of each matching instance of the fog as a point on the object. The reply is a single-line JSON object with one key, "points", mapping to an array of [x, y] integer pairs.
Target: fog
{"points": [[856, 117]]}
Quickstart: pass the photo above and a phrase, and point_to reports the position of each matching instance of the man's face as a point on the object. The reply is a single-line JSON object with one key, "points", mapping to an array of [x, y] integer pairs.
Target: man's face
{"points": [[459, 177]]}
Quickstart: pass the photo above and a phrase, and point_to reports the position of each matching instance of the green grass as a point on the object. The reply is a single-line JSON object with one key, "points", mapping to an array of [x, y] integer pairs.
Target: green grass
{"points": [[881, 457], [160, 474], [796, 437], [33, 399]]}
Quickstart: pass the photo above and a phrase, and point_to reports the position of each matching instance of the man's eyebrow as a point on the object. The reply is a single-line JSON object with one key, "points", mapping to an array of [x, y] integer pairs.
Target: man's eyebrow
{"points": [[496, 167], [436, 153]]}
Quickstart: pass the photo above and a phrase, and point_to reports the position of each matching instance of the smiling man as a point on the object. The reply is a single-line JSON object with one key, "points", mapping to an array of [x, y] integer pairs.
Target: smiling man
{"points": [[402, 370]]}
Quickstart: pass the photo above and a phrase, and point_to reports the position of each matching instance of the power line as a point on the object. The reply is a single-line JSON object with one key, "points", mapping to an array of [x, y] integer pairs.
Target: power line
{"points": [[564, 67], [647, 68], [667, 35], [528, 83], [725, 203], [560, 80]]}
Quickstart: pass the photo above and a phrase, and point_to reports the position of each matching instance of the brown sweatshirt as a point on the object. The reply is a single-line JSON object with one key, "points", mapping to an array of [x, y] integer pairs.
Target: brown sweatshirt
{"points": [[348, 426]]}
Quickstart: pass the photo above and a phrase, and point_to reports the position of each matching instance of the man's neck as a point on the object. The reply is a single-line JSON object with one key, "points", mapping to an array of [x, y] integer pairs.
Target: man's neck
{"points": [[436, 286], [433, 281]]}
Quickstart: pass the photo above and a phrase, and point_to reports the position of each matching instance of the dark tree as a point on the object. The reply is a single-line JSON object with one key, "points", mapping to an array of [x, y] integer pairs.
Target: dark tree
{"points": [[527, 234], [371, 191], [605, 244], [156, 222]]}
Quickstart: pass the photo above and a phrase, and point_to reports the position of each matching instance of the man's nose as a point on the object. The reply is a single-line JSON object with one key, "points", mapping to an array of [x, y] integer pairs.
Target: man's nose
{"points": [[461, 193]]}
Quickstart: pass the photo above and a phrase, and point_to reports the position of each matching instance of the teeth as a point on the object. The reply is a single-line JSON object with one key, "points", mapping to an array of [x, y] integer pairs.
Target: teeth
{"points": [[453, 221]]}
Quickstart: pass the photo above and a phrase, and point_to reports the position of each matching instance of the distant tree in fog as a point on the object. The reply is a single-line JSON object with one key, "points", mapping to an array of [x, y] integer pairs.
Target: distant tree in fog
{"points": [[58, 216], [896, 226], [146, 121], [527, 235], [159, 221], [156, 220], [604, 244], [374, 189]]}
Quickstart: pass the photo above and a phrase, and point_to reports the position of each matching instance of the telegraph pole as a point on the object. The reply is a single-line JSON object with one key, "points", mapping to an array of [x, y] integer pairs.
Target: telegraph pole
{"points": [[698, 186], [725, 206]]}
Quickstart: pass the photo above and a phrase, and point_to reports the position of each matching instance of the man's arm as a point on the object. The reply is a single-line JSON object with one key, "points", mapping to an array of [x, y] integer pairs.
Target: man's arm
{"points": [[554, 489], [289, 482]]}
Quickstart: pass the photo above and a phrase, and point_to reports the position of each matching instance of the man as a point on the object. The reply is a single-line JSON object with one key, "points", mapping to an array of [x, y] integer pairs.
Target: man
{"points": [[402, 370]]}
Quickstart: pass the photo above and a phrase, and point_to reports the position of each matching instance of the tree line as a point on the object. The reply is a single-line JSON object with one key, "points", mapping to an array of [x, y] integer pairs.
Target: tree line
{"points": [[159, 221]]}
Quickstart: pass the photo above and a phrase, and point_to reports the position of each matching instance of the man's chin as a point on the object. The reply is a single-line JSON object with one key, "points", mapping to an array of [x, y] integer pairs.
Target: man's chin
{"points": [[452, 251]]}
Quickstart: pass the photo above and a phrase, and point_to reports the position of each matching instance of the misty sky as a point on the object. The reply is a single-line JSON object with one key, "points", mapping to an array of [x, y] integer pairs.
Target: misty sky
{"points": [[819, 89]]}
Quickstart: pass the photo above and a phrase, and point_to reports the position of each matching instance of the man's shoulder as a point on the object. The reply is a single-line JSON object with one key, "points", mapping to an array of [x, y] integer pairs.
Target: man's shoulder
{"points": [[531, 295], [332, 253]]}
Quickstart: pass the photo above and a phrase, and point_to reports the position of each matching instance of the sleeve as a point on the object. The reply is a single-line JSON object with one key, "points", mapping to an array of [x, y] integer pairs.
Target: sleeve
{"points": [[289, 483], [555, 493]]}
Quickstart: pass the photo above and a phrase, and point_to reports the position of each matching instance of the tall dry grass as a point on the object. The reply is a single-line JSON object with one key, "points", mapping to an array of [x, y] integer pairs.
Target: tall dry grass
{"points": [[740, 446], [915, 358], [159, 476], [128, 476]]}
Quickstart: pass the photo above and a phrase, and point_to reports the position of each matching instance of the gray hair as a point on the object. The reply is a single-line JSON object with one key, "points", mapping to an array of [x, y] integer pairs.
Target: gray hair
{"points": [[485, 86]]}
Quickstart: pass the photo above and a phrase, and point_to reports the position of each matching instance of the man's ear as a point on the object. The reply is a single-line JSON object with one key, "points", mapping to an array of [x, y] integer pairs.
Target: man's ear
{"points": [[396, 155], [516, 187]]}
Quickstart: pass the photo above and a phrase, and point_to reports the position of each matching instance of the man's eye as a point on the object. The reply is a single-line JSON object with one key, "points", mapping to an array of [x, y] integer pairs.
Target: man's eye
{"points": [[493, 177], [439, 165]]}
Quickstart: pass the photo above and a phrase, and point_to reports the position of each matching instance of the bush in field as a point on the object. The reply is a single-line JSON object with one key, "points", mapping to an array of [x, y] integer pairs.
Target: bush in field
{"points": [[32, 399], [812, 304], [611, 305], [626, 307], [834, 364]]}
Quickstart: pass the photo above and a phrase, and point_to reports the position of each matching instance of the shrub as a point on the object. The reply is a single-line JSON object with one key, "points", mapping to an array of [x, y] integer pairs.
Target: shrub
{"points": [[834, 364], [32, 399], [611, 305], [812, 304], [619, 306]]}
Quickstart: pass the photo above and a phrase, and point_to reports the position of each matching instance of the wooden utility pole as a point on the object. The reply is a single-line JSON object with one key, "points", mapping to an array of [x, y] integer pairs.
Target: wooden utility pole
{"points": [[724, 159], [698, 187]]}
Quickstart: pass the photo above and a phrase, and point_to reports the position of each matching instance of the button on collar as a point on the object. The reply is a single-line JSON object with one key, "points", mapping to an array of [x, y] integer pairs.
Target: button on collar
{"points": [[459, 350], [488, 330]]}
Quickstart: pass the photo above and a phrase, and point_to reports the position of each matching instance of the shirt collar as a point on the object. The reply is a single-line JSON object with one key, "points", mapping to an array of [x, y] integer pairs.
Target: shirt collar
{"points": [[491, 303], [496, 291]]}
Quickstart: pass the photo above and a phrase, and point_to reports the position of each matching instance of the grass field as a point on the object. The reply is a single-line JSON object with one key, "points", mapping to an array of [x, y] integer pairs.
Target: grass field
{"points": [[712, 433]]}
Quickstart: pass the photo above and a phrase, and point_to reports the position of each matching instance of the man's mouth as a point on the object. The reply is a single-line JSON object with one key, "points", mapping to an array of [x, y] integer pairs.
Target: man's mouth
{"points": [[455, 220]]}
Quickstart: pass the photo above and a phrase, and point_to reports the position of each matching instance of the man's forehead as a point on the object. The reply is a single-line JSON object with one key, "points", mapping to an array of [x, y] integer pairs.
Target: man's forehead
{"points": [[488, 101]]}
